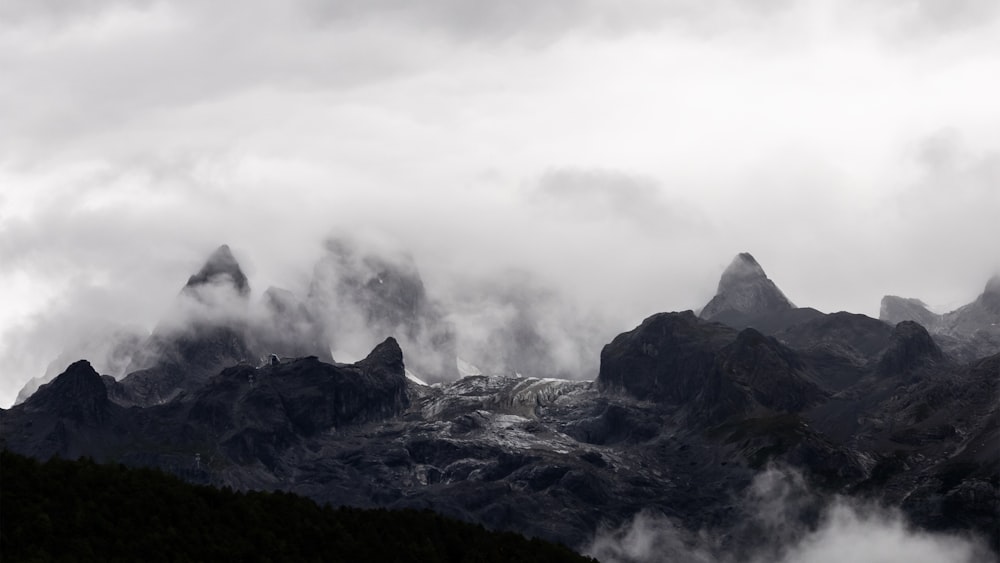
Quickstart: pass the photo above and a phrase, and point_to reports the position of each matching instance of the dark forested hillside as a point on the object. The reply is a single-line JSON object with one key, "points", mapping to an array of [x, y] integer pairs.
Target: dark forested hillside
{"points": [[83, 511]]}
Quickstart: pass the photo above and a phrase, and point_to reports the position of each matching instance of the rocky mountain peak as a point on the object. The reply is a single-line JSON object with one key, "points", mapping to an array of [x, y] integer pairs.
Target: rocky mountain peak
{"points": [[387, 356], [910, 347], [220, 267], [78, 393], [895, 310], [745, 289]]}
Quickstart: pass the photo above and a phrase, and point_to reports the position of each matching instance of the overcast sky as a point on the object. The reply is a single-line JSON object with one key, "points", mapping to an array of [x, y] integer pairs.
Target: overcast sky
{"points": [[621, 151]]}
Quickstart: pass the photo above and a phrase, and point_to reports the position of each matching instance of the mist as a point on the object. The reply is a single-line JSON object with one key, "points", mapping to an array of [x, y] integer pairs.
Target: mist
{"points": [[612, 156], [783, 521]]}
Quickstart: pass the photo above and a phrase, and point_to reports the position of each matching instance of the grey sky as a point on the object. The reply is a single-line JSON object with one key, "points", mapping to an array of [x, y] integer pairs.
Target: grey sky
{"points": [[621, 151]]}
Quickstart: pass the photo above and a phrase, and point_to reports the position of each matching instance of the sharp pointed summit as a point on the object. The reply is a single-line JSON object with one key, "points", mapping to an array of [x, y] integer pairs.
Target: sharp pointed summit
{"points": [[745, 289], [207, 331], [221, 267]]}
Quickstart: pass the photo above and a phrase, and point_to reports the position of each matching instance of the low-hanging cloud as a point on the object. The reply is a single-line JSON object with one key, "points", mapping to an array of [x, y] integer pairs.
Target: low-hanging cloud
{"points": [[511, 322], [783, 521]]}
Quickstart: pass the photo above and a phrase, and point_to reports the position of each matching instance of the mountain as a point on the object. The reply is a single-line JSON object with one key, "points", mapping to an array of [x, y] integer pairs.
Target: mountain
{"points": [[746, 297], [711, 371], [110, 347], [206, 331], [967, 333], [910, 347], [895, 309], [745, 289], [685, 415], [220, 269]]}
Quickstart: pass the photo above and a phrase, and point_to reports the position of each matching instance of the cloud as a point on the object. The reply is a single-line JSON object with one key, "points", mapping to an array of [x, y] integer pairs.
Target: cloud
{"points": [[619, 152], [543, 22], [77, 324], [594, 195], [932, 19], [947, 209], [778, 528], [512, 322]]}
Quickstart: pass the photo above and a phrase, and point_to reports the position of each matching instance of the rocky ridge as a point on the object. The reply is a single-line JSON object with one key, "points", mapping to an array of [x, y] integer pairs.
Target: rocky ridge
{"points": [[967, 333], [684, 412]]}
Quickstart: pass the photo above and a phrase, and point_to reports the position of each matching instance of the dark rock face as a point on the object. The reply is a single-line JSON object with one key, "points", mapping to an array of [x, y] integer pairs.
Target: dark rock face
{"points": [[77, 394], [669, 358], [776, 376], [111, 347], [71, 416], [249, 414], [911, 347], [256, 413], [858, 336], [181, 360], [717, 373], [838, 348], [745, 289]]}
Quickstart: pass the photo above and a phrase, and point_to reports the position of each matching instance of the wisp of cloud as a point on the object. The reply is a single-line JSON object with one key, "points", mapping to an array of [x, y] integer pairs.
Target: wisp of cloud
{"points": [[785, 522]]}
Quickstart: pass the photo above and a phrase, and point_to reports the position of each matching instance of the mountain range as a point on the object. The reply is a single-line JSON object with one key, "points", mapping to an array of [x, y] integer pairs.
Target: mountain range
{"points": [[685, 411]]}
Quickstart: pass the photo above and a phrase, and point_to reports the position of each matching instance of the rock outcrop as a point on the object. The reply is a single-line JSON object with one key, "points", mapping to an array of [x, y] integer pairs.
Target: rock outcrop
{"points": [[967, 333], [708, 369], [77, 394], [910, 348]]}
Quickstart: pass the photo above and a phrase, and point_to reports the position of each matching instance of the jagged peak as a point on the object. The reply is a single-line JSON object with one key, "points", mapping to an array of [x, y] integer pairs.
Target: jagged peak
{"points": [[745, 288], [80, 371], [78, 392], [221, 264], [388, 355]]}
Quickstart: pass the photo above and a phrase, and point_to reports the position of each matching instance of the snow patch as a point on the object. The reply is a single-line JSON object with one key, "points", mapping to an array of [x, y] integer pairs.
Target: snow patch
{"points": [[466, 369], [413, 377]]}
